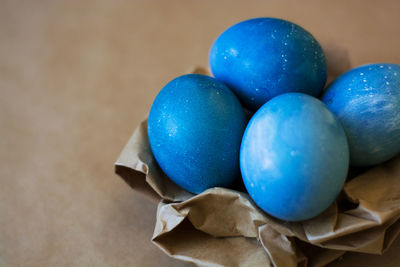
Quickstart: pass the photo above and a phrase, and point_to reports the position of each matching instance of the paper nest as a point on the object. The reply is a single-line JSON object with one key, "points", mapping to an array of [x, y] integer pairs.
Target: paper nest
{"points": [[223, 227]]}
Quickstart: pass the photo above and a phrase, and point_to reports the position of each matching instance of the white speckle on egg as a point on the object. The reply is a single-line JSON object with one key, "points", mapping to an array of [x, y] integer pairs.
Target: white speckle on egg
{"points": [[385, 77], [395, 74], [233, 52], [246, 64], [252, 185], [285, 43], [361, 73], [267, 163], [389, 67], [364, 80], [387, 83], [381, 66], [263, 188], [225, 57], [257, 89]]}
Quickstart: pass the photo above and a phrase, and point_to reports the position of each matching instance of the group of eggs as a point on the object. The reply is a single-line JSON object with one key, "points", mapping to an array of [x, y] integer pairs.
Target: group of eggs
{"points": [[294, 152]]}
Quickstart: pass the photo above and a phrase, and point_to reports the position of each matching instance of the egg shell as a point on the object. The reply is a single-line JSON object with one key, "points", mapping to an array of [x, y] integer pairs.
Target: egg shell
{"points": [[195, 128], [264, 57], [366, 100], [294, 157]]}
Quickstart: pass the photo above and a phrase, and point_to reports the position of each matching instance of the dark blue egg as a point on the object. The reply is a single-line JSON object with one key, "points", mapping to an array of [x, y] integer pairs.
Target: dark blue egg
{"points": [[195, 129], [264, 57], [294, 157], [366, 100]]}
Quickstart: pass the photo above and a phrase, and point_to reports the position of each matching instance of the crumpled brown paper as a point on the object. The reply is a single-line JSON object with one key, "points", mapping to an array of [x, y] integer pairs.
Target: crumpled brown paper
{"points": [[139, 169], [223, 227]]}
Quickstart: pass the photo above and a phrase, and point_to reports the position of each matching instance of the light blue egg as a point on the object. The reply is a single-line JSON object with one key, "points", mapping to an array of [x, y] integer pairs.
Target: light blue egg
{"points": [[195, 129], [294, 157], [367, 102], [263, 57]]}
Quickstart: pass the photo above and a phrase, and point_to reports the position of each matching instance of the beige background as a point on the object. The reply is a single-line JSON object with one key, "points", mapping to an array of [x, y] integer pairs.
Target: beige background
{"points": [[76, 77]]}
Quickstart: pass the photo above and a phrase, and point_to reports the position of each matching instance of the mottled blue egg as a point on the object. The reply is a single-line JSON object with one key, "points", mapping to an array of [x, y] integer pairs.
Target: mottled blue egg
{"points": [[264, 57], [195, 128], [294, 157], [366, 100]]}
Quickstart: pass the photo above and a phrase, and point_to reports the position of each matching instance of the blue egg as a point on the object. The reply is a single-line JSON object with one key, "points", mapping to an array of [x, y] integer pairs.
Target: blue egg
{"points": [[264, 57], [195, 128], [294, 157], [366, 100]]}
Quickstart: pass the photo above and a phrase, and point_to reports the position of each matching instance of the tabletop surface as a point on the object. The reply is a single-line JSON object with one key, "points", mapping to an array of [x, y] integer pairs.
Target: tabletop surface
{"points": [[76, 78]]}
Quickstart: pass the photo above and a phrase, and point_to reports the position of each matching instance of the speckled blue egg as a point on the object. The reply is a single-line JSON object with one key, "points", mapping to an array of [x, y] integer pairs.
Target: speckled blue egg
{"points": [[195, 128], [264, 57], [294, 157], [366, 100]]}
